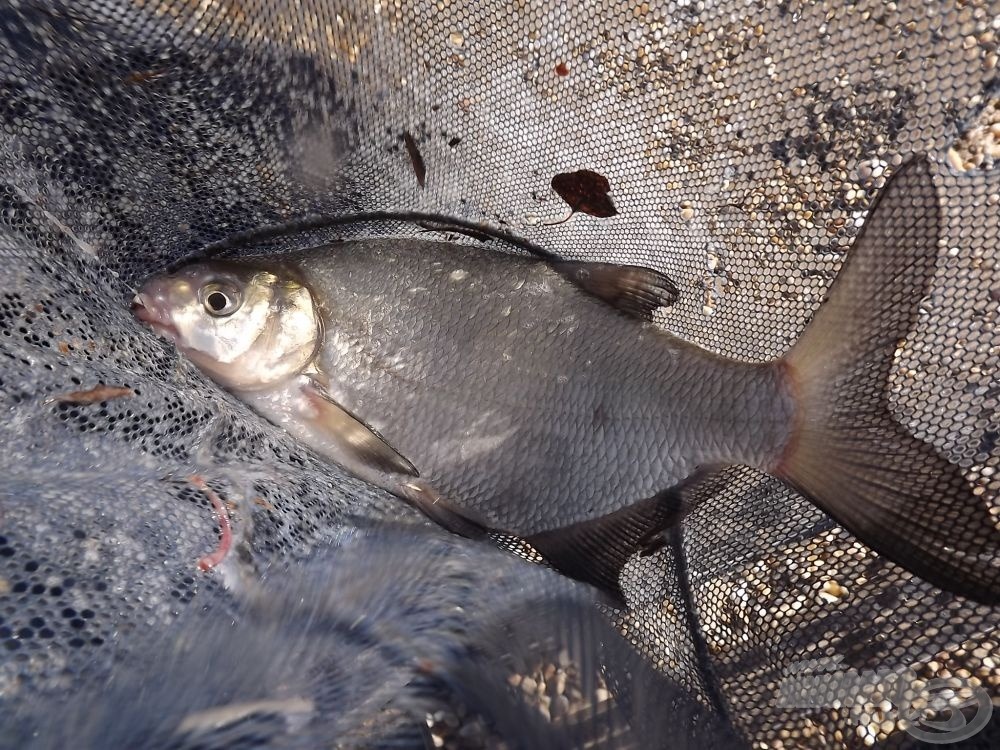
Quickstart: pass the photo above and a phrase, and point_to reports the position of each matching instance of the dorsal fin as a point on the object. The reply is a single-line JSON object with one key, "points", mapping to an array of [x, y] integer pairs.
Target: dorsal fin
{"points": [[634, 290]]}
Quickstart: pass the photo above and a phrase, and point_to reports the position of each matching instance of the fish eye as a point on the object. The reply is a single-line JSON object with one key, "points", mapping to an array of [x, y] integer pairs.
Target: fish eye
{"points": [[220, 300]]}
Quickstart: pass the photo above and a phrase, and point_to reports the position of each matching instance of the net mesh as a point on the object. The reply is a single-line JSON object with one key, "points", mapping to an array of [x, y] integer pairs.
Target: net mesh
{"points": [[743, 142]]}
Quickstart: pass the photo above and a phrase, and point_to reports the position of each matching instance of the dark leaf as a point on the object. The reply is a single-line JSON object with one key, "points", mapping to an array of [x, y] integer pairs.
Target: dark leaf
{"points": [[585, 191], [415, 158]]}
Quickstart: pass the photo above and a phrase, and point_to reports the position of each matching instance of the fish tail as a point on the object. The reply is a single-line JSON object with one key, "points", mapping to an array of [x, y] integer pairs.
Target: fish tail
{"points": [[847, 452]]}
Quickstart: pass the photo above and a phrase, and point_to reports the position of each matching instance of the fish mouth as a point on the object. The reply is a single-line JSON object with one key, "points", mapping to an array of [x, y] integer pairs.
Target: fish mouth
{"points": [[141, 310]]}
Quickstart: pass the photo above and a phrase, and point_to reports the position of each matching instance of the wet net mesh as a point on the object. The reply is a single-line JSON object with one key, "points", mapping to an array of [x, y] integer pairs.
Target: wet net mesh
{"points": [[743, 142]]}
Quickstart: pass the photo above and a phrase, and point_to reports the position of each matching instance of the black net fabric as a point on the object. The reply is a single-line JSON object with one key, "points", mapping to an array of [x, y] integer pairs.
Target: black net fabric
{"points": [[385, 637], [743, 142]]}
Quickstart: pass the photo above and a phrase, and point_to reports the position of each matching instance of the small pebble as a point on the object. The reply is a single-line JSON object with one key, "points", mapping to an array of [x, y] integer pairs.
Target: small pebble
{"points": [[560, 683], [560, 706], [832, 592], [955, 160]]}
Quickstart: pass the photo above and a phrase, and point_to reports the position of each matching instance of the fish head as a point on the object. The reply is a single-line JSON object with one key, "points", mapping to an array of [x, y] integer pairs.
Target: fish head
{"points": [[246, 326]]}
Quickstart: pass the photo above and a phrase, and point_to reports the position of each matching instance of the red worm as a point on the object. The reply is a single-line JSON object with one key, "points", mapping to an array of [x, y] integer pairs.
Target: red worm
{"points": [[225, 530]]}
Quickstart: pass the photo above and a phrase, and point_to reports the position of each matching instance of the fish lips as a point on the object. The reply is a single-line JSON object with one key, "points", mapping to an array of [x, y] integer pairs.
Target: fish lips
{"points": [[145, 309]]}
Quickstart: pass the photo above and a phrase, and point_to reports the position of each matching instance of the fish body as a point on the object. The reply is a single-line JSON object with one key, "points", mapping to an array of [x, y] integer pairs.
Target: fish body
{"points": [[530, 402], [504, 393]]}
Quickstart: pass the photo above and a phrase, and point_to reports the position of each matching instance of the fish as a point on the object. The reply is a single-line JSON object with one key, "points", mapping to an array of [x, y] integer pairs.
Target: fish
{"points": [[501, 393]]}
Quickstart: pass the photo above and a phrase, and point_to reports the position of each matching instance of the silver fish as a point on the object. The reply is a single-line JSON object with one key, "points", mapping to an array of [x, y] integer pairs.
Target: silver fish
{"points": [[504, 393]]}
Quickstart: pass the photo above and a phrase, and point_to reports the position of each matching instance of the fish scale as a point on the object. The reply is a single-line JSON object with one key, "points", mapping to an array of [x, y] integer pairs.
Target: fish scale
{"points": [[532, 379]]}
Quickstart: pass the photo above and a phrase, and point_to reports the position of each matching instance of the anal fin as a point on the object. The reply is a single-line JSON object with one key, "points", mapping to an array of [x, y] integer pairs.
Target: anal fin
{"points": [[596, 551], [633, 290]]}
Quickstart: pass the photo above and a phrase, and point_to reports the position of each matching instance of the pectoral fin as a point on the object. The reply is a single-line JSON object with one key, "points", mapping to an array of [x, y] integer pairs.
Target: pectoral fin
{"points": [[633, 290], [354, 437]]}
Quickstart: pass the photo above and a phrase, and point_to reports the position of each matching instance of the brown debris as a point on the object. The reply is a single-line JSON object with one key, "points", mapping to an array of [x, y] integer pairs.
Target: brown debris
{"points": [[261, 502], [419, 169], [144, 76], [94, 395]]}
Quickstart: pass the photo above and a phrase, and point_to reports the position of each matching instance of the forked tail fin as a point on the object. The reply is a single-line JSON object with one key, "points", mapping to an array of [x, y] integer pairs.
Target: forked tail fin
{"points": [[848, 453]]}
